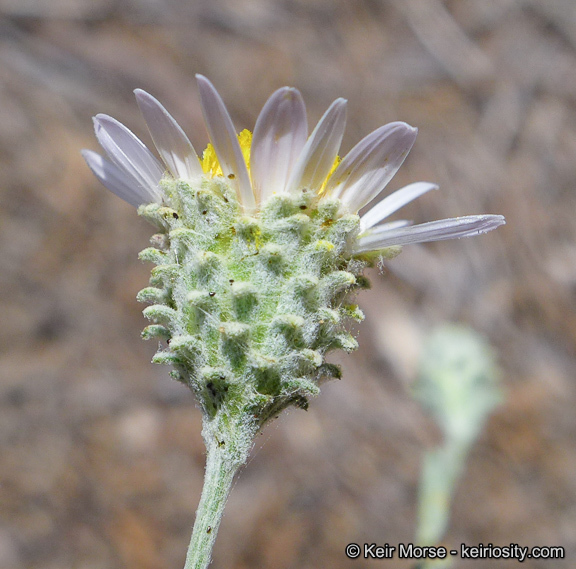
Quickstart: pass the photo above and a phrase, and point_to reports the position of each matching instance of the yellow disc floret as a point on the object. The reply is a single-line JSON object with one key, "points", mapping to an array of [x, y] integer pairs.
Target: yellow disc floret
{"points": [[212, 169], [245, 140], [210, 163], [337, 161]]}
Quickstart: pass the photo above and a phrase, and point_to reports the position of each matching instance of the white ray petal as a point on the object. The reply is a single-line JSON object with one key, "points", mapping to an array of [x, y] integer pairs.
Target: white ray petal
{"points": [[371, 164], [225, 141], [454, 228], [394, 202], [172, 143], [117, 181], [321, 149], [127, 152], [395, 224], [279, 135]]}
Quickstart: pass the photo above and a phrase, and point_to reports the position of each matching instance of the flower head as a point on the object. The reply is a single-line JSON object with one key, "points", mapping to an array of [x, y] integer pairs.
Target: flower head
{"points": [[279, 158], [258, 252], [260, 245]]}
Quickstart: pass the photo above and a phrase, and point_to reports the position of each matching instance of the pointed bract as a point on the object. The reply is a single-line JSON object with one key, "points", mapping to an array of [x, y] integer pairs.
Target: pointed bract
{"points": [[279, 136], [173, 145], [225, 141]]}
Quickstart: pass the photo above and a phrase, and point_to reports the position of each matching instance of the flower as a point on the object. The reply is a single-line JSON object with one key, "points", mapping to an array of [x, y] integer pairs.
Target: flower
{"points": [[280, 157], [259, 252]]}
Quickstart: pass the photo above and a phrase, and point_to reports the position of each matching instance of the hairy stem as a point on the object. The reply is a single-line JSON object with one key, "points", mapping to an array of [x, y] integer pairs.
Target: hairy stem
{"points": [[217, 484], [225, 453]]}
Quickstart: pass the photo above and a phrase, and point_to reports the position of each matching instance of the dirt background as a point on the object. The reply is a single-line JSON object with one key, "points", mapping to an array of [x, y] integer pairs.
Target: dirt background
{"points": [[101, 459]]}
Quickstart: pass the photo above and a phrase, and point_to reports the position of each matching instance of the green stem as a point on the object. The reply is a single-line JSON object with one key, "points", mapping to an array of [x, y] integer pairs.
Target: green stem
{"points": [[224, 455], [217, 484]]}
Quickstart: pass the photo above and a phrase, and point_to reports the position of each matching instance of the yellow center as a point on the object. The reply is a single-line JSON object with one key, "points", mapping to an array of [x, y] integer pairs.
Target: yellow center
{"points": [[210, 163], [212, 168]]}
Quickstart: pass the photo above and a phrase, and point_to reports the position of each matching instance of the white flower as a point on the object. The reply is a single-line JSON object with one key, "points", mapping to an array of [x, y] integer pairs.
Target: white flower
{"points": [[281, 158]]}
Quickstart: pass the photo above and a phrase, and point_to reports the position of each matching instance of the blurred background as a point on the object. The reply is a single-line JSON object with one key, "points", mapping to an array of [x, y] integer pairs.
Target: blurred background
{"points": [[101, 459]]}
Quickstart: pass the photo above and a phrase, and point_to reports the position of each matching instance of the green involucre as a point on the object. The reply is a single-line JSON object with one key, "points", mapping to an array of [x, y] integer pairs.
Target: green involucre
{"points": [[249, 306]]}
